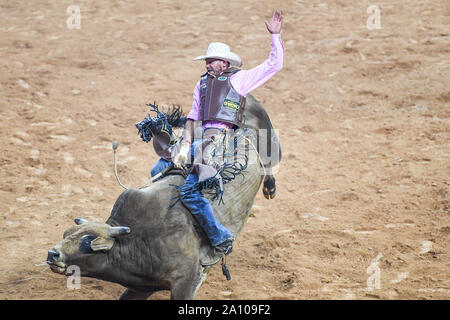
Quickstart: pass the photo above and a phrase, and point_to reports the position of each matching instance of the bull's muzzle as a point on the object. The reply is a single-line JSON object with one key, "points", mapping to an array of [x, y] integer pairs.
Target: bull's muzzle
{"points": [[52, 256], [54, 261]]}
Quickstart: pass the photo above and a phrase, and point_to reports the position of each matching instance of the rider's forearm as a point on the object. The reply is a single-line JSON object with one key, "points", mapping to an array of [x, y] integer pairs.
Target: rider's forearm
{"points": [[188, 132], [245, 81]]}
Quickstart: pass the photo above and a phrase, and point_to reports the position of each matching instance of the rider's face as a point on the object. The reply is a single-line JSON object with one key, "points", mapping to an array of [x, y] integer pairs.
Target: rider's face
{"points": [[216, 66]]}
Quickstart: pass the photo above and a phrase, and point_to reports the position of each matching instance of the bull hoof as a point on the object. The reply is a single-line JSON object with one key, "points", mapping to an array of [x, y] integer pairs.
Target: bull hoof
{"points": [[269, 188], [269, 194]]}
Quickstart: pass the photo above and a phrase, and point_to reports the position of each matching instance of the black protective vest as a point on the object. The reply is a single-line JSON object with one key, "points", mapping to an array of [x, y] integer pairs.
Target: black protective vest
{"points": [[218, 99]]}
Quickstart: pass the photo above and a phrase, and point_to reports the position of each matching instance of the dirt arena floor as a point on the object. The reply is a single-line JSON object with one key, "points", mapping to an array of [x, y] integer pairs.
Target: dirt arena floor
{"points": [[363, 113]]}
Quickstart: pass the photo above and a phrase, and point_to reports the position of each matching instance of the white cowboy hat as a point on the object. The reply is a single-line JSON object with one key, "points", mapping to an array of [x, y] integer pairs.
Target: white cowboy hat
{"points": [[221, 51]]}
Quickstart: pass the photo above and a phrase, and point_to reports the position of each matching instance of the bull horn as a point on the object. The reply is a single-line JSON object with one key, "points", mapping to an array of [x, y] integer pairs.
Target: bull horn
{"points": [[118, 231], [80, 221]]}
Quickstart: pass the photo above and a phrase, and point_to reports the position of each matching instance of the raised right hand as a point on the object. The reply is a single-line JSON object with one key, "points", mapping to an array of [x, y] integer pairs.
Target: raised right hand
{"points": [[275, 24]]}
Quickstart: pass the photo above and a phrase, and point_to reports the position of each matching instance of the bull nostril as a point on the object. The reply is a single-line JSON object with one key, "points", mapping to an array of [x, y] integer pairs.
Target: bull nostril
{"points": [[52, 255]]}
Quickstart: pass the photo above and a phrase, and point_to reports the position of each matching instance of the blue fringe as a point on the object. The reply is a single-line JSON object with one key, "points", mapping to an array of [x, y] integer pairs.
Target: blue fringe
{"points": [[211, 186], [173, 119]]}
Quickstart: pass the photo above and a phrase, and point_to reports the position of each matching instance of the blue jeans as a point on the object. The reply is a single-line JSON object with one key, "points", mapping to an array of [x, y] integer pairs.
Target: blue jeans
{"points": [[199, 206], [159, 166], [202, 211]]}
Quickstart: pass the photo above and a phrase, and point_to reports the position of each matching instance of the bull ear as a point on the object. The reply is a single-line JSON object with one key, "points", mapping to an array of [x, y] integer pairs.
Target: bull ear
{"points": [[100, 243], [117, 231], [79, 221]]}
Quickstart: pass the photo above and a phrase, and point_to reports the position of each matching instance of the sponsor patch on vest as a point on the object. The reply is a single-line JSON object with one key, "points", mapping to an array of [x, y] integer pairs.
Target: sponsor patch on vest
{"points": [[222, 78], [232, 105]]}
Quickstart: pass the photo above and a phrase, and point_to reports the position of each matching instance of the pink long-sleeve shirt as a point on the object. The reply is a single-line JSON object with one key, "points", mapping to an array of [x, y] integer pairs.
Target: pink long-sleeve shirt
{"points": [[244, 81]]}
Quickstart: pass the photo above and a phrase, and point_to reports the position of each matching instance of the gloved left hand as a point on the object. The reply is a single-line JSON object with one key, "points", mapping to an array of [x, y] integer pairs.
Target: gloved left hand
{"points": [[182, 156]]}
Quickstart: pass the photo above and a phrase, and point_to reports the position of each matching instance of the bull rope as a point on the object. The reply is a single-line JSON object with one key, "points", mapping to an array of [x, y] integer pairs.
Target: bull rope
{"points": [[115, 145], [260, 160]]}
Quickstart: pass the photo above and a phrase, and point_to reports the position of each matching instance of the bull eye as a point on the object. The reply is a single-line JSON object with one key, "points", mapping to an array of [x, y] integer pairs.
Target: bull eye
{"points": [[85, 244]]}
